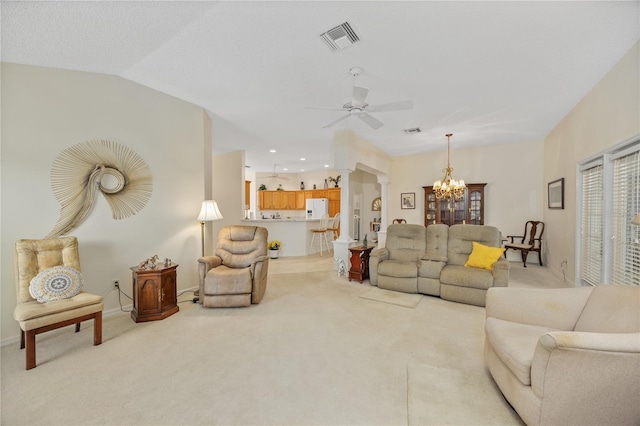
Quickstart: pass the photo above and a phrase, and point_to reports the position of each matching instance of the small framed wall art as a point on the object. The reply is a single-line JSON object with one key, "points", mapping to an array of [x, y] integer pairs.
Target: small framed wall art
{"points": [[408, 200], [555, 194]]}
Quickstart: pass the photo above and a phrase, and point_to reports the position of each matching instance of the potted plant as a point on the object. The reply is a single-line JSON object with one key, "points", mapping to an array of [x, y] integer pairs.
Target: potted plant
{"points": [[335, 180], [274, 249]]}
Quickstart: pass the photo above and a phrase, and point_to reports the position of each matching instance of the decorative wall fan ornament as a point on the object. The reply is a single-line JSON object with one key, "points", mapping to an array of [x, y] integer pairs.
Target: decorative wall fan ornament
{"points": [[83, 170]]}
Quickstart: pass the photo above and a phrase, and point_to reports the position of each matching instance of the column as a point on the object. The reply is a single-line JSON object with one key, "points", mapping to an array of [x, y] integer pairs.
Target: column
{"points": [[341, 245], [383, 180]]}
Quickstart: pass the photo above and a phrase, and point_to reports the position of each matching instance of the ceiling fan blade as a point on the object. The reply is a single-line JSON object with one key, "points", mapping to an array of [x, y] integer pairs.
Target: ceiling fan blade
{"points": [[393, 106], [324, 108], [370, 120], [359, 95], [336, 121]]}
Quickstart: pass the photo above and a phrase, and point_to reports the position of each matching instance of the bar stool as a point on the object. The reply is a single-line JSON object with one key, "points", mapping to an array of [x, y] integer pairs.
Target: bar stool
{"points": [[334, 227], [320, 234]]}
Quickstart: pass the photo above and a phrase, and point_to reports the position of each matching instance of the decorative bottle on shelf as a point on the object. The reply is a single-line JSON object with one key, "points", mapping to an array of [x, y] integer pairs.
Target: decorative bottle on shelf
{"points": [[364, 241], [301, 185], [326, 184]]}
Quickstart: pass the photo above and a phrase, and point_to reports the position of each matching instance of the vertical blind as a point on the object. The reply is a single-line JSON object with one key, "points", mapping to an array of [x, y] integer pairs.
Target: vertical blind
{"points": [[626, 205], [592, 226]]}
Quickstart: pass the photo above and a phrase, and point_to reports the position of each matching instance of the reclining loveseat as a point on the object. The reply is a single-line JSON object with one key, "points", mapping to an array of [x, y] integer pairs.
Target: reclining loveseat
{"points": [[431, 260]]}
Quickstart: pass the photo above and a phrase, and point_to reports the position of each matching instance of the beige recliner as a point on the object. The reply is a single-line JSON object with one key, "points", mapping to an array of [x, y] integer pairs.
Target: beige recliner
{"points": [[567, 356], [395, 267], [237, 274], [33, 257]]}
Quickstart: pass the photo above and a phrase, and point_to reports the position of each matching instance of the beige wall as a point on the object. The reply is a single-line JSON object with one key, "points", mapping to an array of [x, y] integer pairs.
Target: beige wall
{"points": [[512, 172], [45, 111], [606, 116]]}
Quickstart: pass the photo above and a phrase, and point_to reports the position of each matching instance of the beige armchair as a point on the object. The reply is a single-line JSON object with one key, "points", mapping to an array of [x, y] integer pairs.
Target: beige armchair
{"points": [[566, 356], [237, 274], [31, 258]]}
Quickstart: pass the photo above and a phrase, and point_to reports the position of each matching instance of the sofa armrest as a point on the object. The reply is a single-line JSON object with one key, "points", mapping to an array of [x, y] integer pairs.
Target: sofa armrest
{"points": [[205, 264], [259, 272], [571, 370], [375, 257], [500, 272], [554, 308], [381, 253]]}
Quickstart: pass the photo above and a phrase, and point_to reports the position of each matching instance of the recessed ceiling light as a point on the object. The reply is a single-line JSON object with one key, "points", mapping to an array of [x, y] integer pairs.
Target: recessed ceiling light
{"points": [[302, 159], [285, 169], [272, 150], [302, 170], [326, 165]]}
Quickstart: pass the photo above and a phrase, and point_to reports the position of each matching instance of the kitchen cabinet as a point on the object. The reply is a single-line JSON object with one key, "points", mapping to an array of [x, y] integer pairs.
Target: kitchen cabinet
{"points": [[333, 194], [468, 209], [296, 200]]}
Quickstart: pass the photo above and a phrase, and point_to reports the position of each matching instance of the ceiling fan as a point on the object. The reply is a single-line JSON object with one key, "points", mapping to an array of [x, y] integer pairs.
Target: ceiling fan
{"points": [[274, 175], [360, 108]]}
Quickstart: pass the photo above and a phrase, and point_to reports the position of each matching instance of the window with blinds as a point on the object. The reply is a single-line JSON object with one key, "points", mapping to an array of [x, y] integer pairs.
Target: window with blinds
{"points": [[592, 225], [610, 199], [625, 206]]}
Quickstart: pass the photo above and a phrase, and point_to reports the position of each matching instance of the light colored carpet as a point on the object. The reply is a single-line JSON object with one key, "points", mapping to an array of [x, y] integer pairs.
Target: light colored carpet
{"points": [[313, 352], [435, 395], [406, 300]]}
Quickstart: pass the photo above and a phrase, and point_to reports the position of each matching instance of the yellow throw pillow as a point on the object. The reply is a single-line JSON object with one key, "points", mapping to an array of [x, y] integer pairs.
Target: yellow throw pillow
{"points": [[483, 256]]}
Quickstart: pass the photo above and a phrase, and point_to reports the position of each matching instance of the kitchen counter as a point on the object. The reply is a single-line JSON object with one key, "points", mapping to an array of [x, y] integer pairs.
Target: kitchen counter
{"points": [[294, 234]]}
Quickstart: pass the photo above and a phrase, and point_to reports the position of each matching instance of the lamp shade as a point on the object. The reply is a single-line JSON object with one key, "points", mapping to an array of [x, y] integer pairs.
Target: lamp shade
{"points": [[636, 220], [209, 211]]}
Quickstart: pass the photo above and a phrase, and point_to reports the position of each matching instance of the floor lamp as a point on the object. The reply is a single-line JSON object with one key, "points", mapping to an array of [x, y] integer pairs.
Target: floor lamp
{"points": [[208, 213]]}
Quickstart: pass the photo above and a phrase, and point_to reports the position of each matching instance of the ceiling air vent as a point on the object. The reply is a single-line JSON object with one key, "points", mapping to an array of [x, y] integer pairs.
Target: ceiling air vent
{"points": [[413, 130], [340, 37]]}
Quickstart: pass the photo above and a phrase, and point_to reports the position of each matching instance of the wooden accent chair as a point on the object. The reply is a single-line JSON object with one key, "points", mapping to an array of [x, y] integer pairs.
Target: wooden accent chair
{"points": [[531, 240], [33, 257], [399, 221]]}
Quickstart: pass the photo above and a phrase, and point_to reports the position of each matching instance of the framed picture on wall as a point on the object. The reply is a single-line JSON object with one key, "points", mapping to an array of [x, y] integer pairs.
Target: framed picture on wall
{"points": [[408, 200], [556, 194]]}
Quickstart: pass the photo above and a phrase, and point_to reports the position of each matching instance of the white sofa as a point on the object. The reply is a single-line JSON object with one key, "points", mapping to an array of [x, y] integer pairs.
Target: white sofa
{"points": [[566, 356]]}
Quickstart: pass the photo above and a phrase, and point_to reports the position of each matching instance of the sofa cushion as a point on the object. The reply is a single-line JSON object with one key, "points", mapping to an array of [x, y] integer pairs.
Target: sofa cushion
{"points": [[461, 238], [483, 257], [430, 268], [515, 344], [394, 268], [406, 242], [466, 277], [608, 310], [225, 280]]}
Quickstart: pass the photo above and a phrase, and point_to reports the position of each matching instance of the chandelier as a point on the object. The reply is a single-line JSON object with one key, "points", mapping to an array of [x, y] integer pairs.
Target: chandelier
{"points": [[448, 187]]}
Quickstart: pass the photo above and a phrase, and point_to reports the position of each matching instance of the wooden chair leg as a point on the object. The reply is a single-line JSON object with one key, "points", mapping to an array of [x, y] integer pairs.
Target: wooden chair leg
{"points": [[97, 329], [540, 258], [21, 339], [77, 327], [31, 349], [525, 253]]}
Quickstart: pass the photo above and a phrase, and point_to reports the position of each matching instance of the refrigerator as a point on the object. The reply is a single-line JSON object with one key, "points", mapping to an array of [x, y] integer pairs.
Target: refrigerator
{"points": [[316, 207]]}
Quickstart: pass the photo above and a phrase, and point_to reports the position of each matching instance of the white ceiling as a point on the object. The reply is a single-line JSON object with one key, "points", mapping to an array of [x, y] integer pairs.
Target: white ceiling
{"points": [[489, 72]]}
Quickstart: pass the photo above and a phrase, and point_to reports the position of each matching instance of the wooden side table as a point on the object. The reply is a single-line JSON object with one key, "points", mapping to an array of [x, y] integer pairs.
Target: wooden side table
{"points": [[155, 294], [359, 263]]}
